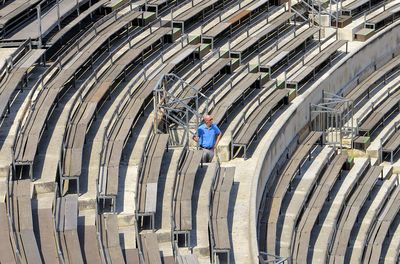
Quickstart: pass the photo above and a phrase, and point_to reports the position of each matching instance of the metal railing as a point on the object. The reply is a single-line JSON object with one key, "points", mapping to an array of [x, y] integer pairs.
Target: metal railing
{"points": [[140, 78], [167, 105], [228, 85], [211, 193], [257, 101], [10, 213], [306, 54], [275, 259], [174, 197], [58, 66], [56, 220], [10, 62], [392, 130], [275, 46]]}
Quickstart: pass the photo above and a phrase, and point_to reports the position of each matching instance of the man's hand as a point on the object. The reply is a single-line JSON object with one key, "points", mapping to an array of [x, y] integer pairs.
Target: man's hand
{"points": [[196, 138]]}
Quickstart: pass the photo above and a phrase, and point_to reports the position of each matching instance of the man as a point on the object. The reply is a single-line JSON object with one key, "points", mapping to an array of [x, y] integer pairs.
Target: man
{"points": [[208, 136]]}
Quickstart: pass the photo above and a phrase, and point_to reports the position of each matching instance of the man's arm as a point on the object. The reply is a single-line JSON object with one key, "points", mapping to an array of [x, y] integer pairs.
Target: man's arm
{"points": [[217, 141], [196, 137]]}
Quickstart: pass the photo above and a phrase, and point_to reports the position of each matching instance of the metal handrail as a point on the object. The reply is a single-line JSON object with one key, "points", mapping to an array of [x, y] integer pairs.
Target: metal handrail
{"points": [[55, 221], [13, 232], [230, 84], [275, 46], [123, 103], [248, 111], [302, 60], [211, 193], [181, 159], [220, 15], [58, 63], [15, 56]]}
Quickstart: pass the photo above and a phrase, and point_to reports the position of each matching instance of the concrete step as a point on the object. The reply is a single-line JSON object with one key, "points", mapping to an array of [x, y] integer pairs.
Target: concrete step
{"points": [[87, 204], [127, 236], [51, 144], [326, 233], [164, 235], [125, 219], [373, 210], [44, 187], [393, 252], [165, 248], [299, 198], [166, 188], [128, 172], [200, 239]]}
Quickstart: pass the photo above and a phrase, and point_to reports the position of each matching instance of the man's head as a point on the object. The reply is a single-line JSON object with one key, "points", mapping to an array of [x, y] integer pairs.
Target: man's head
{"points": [[207, 120]]}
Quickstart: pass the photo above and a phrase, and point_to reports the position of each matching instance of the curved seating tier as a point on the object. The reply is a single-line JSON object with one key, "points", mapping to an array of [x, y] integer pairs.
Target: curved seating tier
{"points": [[86, 110], [183, 195], [380, 114], [219, 222], [281, 55], [148, 185], [379, 233], [121, 128], [253, 121], [67, 227], [310, 216], [275, 198], [350, 214], [95, 72], [32, 130]]}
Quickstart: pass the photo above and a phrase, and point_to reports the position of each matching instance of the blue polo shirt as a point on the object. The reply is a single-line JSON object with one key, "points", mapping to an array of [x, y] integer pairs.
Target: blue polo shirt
{"points": [[208, 135]]}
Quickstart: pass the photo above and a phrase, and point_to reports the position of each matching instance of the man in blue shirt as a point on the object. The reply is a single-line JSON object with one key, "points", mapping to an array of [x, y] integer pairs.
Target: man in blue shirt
{"points": [[208, 138]]}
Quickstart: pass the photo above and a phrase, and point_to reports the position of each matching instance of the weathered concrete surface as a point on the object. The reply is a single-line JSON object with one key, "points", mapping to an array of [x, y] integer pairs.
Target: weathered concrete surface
{"points": [[343, 76]]}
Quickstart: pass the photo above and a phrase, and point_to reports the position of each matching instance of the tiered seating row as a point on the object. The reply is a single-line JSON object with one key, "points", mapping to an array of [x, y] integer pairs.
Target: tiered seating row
{"points": [[110, 239], [365, 87], [350, 214], [7, 244], [319, 248], [128, 113], [197, 13], [30, 134], [183, 191], [310, 217], [229, 25], [281, 55], [357, 7], [380, 114], [67, 223], [14, 13], [314, 65], [390, 145], [252, 121], [370, 217], [21, 217], [219, 223], [276, 194], [148, 183], [379, 234], [18, 74], [256, 41], [85, 112], [237, 92], [48, 21]]}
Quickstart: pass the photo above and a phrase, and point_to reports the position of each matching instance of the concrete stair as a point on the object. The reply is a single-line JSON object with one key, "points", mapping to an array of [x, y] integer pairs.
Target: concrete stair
{"points": [[370, 213], [328, 226], [200, 239], [300, 196]]}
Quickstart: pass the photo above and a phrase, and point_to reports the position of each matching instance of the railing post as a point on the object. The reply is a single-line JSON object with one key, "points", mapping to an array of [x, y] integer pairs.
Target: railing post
{"points": [[38, 10]]}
